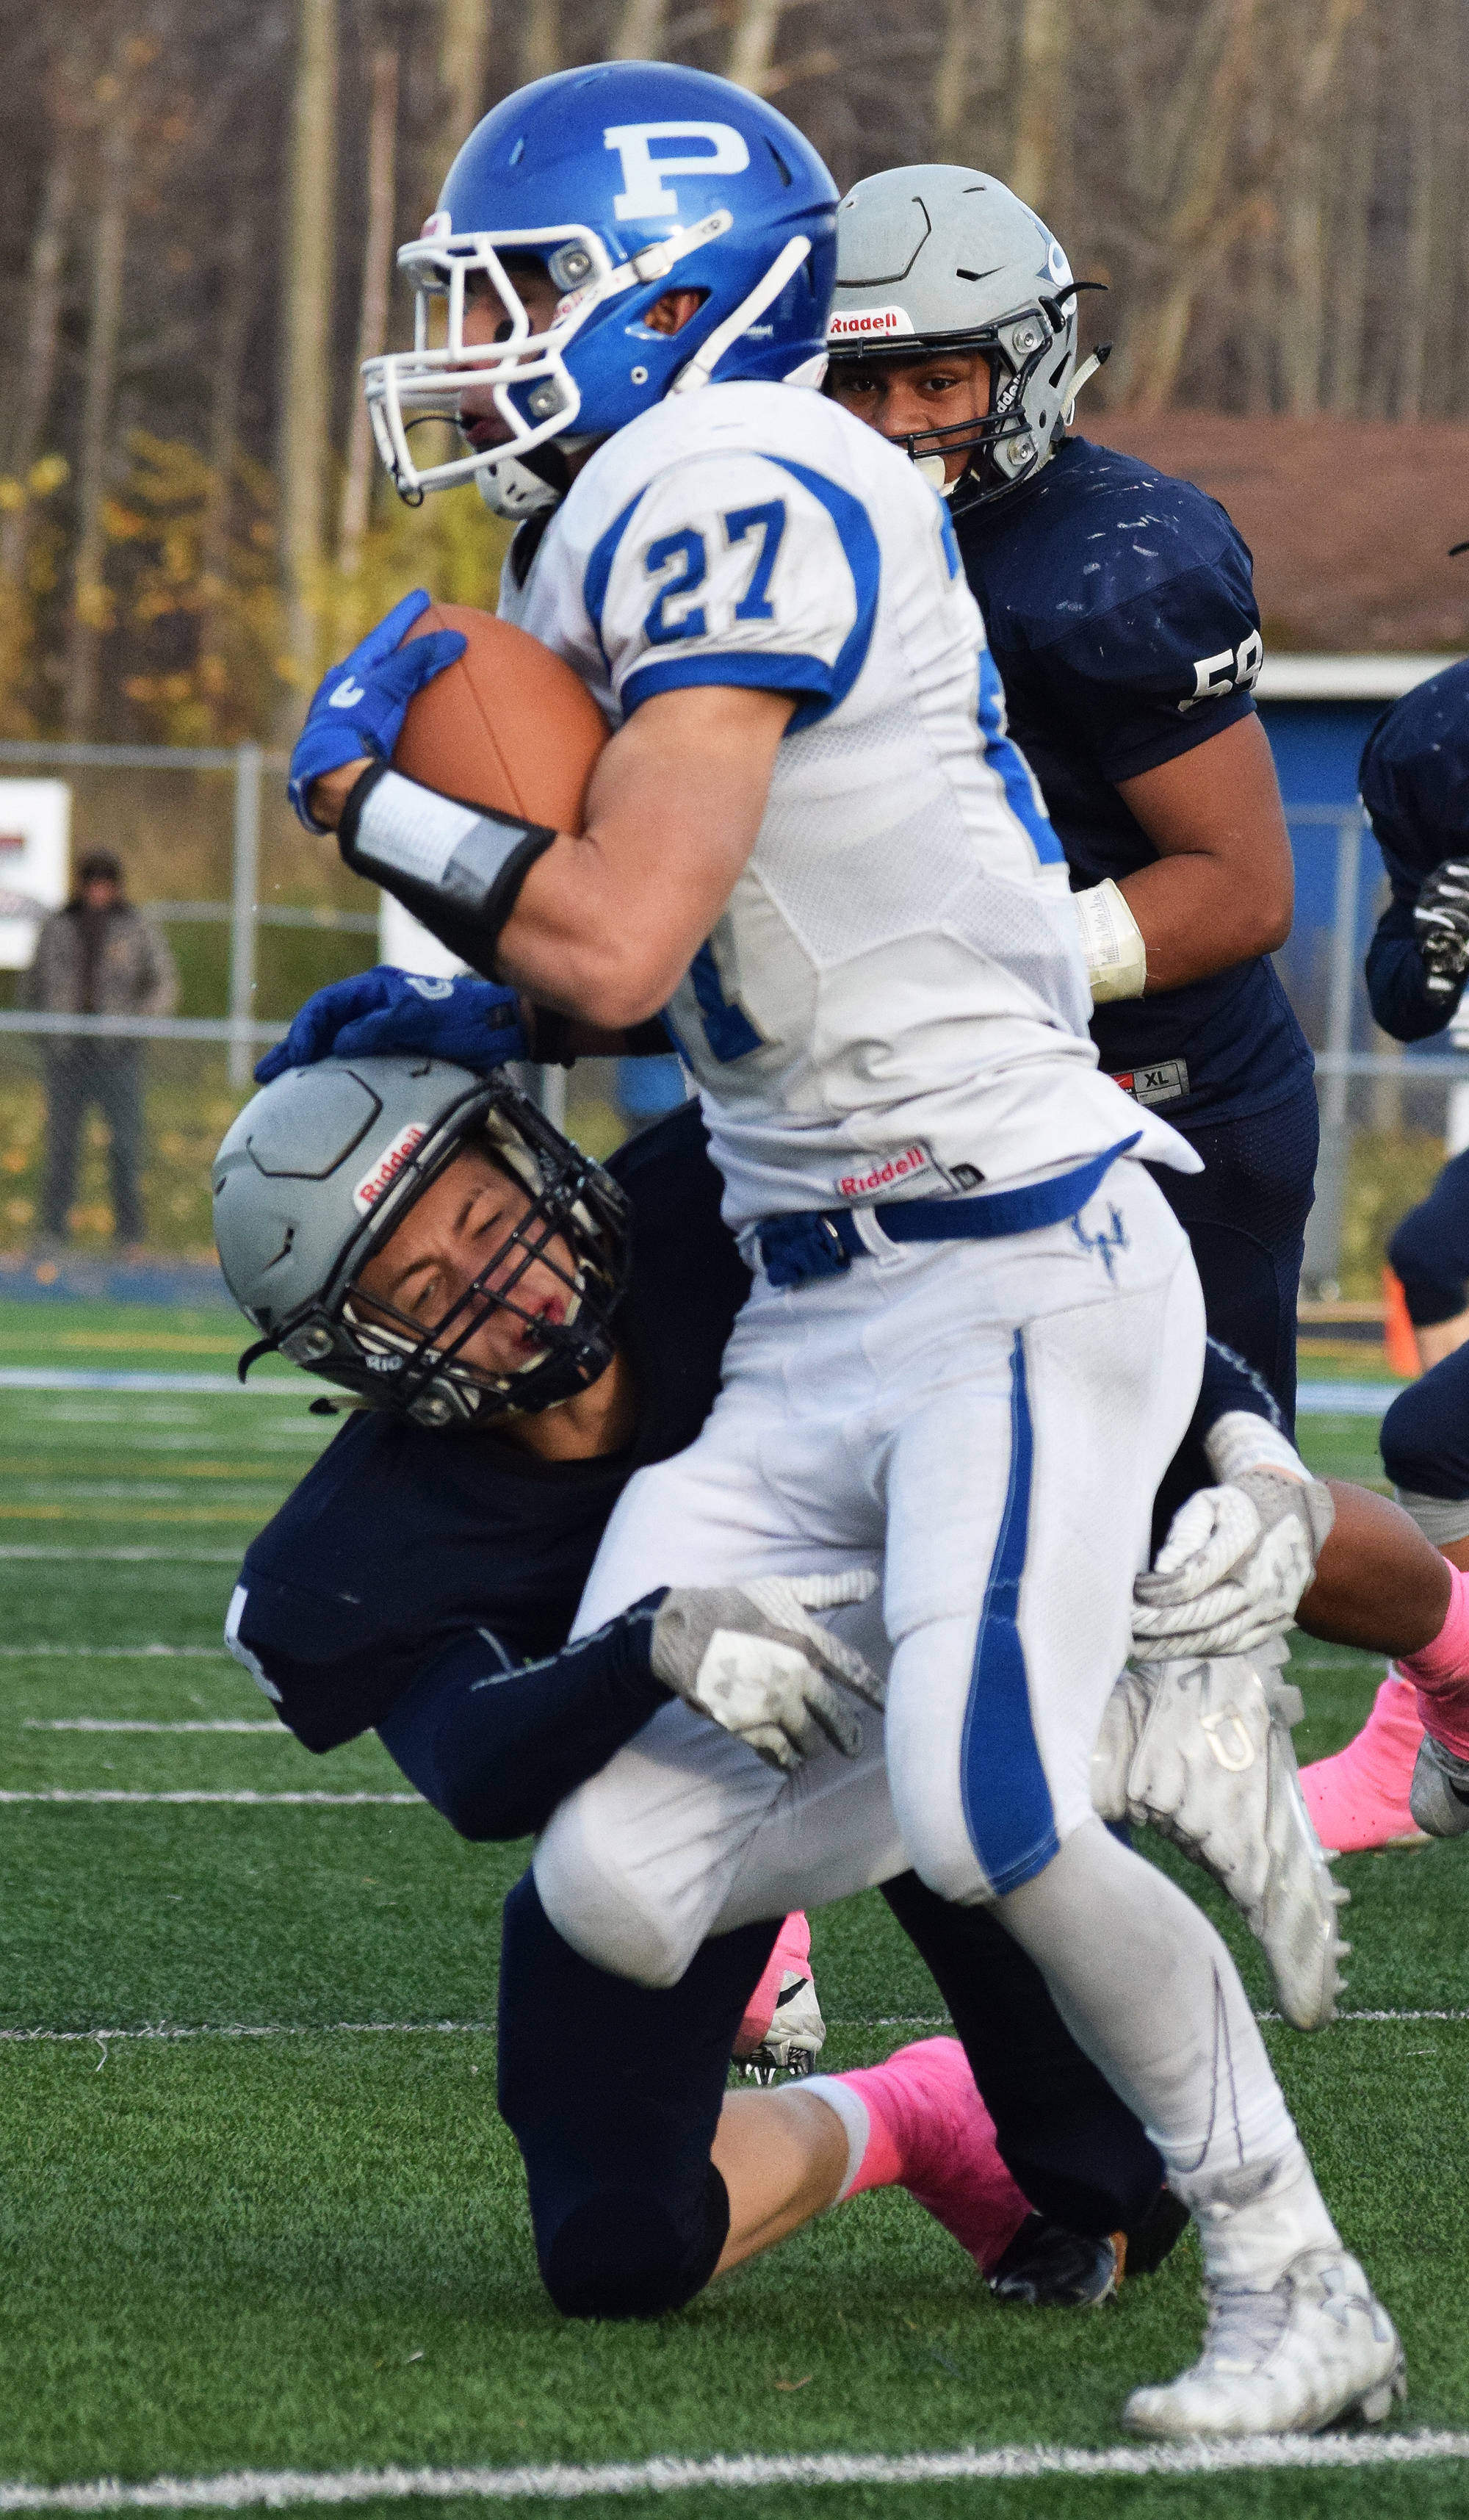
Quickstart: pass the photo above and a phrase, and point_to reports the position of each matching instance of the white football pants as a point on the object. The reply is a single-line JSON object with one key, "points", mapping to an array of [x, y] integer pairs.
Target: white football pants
{"points": [[984, 1424], [987, 1425]]}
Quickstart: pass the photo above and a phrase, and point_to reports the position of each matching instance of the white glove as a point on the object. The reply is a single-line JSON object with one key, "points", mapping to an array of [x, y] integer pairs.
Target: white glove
{"points": [[1232, 1569], [751, 1658]]}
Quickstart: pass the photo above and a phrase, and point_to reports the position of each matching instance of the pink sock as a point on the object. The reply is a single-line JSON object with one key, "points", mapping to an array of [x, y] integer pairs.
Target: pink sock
{"points": [[792, 1952], [1357, 1798], [926, 2129], [1440, 1671], [881, 2165]]}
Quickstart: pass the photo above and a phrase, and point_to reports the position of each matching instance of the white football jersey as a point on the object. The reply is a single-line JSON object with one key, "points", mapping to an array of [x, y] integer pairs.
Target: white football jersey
{"points": [[894, 1001]]}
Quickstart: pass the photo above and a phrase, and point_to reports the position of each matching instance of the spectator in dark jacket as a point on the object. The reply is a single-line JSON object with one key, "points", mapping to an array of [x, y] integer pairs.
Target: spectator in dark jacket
{"points": [[99, 956]]}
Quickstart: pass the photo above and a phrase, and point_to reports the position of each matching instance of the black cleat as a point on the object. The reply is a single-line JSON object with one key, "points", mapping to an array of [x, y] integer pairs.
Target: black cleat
{"points": [[1049, 2268], [1150, 2240]]}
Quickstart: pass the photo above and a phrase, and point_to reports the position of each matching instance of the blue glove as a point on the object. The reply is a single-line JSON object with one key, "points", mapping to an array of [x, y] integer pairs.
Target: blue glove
{"points": [[471, 1022], [359, 706]]}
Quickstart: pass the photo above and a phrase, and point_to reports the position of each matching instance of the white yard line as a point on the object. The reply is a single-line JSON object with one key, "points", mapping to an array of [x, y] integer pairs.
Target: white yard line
{"points": [[251, 2489], [84, 1378], [116, 1794], [138, 1724], [162, 2030], [119, 1654], [1312, 1399], [1346, 1399], [474, 2029], [27, 1552]]}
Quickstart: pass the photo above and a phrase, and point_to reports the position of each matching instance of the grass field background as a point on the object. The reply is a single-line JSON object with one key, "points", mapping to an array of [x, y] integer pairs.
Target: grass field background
{"points": [[309, 2248]]}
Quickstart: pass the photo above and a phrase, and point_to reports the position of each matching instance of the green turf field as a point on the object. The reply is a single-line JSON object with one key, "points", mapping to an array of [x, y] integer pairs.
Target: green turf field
{"points": [[273, 2222]]}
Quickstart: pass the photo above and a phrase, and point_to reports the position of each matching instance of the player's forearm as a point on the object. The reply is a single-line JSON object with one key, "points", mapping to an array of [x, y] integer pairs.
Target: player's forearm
{"points": [[1197, 918], [1223, 887], [604, 927], [495, 1752], [1379, 1584], [590, 938]]}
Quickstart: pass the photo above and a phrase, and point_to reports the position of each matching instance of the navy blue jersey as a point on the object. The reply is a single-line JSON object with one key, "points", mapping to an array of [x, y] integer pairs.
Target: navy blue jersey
{"points": [[404, 1541], [1121, 611], [1414, 781]]}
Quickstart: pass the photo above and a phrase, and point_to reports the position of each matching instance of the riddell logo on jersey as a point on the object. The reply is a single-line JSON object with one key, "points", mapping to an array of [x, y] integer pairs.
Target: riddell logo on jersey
{"points": [[882, 1175], [384, 1170], [871, 322]]}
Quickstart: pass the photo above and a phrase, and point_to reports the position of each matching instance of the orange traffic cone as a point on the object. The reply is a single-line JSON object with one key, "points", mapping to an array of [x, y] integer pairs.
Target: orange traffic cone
{"points": [[1397, 1335]]}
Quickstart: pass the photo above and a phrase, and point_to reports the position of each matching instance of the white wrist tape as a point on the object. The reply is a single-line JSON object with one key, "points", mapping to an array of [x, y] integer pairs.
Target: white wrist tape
{"points": [[1111, 942], [1239, 1441]]}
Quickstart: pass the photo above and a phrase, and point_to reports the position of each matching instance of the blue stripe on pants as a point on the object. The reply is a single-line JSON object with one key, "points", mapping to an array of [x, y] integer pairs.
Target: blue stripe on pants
{"points": [[1006, 1801]]}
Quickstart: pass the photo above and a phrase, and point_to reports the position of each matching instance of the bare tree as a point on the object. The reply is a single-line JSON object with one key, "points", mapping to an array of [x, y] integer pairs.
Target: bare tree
{"points": [[1422, 208], [540, 38], [1354, 156], [1193, 230], [752, 45], [464, 57], [43, 313], [236, 294], [950, 83], [116, 105], [306, 383], [1303, 332], [372, 326], [642, 31], [1039, 109]]}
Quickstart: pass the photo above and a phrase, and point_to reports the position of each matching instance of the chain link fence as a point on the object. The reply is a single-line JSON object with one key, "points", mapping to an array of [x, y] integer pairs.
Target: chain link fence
{"points": [[258, 914]]}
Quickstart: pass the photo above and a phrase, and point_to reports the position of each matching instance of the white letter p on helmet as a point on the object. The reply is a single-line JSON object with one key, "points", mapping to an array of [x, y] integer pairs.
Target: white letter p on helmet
{"points": [[645, 195]]}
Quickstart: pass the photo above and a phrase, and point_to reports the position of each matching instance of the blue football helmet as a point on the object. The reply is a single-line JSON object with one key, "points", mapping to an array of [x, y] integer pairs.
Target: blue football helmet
{"points": [[621, 180]]}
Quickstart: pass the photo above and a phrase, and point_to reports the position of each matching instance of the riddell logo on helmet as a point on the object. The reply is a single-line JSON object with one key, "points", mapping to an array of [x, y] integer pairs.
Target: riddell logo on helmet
{"points": [[869, 324], [384, 1169]]}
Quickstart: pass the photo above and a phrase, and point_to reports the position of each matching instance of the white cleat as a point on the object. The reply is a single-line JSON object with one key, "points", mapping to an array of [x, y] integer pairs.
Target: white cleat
{"points": [[1438, 1795], [1201, 1752], [1318, 2345], [796, 2037]]}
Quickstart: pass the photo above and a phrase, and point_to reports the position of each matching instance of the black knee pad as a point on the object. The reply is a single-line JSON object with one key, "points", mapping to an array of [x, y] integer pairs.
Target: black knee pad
{"points": [[1433, 1284], [1430, 1249], [1425, 1435], [625, 2254]]}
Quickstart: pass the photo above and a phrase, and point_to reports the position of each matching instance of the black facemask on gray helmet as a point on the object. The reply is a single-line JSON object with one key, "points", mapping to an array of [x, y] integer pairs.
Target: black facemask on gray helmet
{"points": [[318, 1173], [943, 258]]}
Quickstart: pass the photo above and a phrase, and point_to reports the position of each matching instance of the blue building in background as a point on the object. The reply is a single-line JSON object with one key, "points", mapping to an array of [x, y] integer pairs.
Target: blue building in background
{"points": [[1317, 712]]}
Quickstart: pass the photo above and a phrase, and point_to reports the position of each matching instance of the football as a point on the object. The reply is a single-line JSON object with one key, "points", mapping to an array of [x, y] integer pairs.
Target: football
{"points": [[509, 726]]}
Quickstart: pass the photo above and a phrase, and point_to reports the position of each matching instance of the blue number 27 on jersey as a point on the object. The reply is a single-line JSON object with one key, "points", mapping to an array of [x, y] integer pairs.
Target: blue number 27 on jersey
{"points": [[686, 557]]}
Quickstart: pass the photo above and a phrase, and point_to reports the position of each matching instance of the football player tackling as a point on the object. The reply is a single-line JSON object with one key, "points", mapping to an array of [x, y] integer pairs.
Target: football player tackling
{"points": [[975, 1333]]}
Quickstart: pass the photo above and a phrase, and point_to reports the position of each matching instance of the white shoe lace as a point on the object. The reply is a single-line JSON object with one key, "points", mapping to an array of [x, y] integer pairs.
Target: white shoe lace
{"points": [[1244, 2329]]}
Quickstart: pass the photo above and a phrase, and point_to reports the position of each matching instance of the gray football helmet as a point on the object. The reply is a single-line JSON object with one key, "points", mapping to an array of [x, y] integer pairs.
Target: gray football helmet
{"points": [[321, 1169], [945, 259]]}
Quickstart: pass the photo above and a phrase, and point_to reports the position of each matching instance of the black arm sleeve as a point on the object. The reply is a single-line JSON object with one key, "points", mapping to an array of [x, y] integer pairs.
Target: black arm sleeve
{"points": [[1396, 982], [495, 1748]]}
